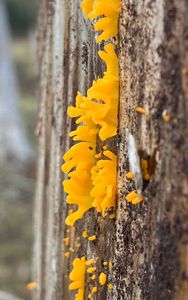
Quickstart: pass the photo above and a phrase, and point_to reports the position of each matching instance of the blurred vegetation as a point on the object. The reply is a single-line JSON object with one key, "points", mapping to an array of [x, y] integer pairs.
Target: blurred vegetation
{"points": [[17, 182], [24, 60], [15, 231], [22, 15]]}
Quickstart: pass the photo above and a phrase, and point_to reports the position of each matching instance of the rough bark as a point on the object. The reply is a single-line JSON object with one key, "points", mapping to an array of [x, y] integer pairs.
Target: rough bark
{"points": [[147, 242]]}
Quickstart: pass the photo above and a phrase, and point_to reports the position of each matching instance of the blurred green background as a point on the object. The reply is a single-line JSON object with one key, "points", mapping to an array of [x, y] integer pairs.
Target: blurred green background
{"points": [[17, 179]]}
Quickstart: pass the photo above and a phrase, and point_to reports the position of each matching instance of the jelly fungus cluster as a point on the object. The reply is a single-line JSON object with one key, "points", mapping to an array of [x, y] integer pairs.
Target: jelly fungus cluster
{"points": [[88, 185], [91, 176]]}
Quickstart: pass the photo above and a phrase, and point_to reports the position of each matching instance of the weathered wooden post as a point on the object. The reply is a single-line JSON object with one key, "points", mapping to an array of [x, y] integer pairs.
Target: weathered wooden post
{"points": [[147, 243]]}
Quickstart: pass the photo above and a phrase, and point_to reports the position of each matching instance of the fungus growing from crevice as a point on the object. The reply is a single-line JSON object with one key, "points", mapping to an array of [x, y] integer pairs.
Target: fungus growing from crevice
{"points": [[79, 184], [77, 276], [94, 118], [109, 13], [134, 197], [102, 278], [91, 176], [104, 182]]}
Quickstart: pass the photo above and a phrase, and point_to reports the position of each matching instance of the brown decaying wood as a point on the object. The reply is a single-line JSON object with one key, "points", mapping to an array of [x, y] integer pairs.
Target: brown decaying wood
{"points": [[148, 243]]}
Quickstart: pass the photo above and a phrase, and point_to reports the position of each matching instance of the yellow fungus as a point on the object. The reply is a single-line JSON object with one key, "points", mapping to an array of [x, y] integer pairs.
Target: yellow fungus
{"points": [[105, 147], [77, 276], [71, 250], [145, 169], [90, 262], [66, 241], [109, 13], [110, 264], [32, 285], [166, 116], [92, 238], [78, 245], [102, 278], [141, 110], [67, 254], [91, 111], [112, 216], [130, 175], [98, 155], [147, 176], [85, 234], [104, 182], [78, 238], [91, 270], [134, 198], [87, 185], [106, 89], [94, 290], [79, 184], [105, 263], [110, 286], [116, 41], [90, 183]]}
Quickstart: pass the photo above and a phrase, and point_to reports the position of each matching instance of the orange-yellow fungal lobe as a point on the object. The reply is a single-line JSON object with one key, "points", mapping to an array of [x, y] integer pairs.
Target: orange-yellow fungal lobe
{"points": [[130, 175], [78, 166], [89, 296], [91, 269], [71, 250], [77, 276], [105, 147], [145, 169], [110, 264], [90, 262], [98, 155], [112, 216], [104, 182], [110, 286], [31, 285], [105, 263], [141, 110], [102, 278], [78, 245], [67, 254], [78, 185], [92, 238], [109, 13], [166, 116], [87, 6], [134, 197], [93, 277], [94, 290], [85, 234], [87, 185], [147, 176], [66, 241], [103, 113]]}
